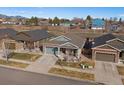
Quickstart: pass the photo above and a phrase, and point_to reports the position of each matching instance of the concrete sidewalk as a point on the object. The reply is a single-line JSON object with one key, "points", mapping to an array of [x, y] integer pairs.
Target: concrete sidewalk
{"points": [[75, 69], [43, 64], [16, 60], [107, 73]]}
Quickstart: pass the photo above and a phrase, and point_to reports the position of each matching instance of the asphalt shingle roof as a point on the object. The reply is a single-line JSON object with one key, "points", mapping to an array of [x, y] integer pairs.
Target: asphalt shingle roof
{"points": [[10, 32], [31, 35], [36, 35], [104, 38], [75, 39]]}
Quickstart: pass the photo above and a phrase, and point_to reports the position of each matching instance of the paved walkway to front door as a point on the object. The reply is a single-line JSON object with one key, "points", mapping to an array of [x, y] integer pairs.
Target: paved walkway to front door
{"points": [[43, 64], [107, 73]]}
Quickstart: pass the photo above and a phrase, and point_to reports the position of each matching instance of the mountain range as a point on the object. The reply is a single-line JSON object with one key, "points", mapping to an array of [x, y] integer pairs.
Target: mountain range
{"points": [[5, 16]]}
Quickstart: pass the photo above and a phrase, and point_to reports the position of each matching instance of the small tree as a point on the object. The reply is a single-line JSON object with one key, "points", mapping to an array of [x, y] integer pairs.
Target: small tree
{"points": [[56, 21], [50, 21], [120, 20], [89, 18], [6, 50], [89, 21]]}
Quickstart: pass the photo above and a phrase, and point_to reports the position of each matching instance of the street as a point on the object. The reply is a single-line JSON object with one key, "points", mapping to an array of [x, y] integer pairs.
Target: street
{"points": [[17, 77]]}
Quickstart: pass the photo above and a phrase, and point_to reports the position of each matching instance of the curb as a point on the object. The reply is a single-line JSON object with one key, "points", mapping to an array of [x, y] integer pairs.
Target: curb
{"points": [[66, 77]]}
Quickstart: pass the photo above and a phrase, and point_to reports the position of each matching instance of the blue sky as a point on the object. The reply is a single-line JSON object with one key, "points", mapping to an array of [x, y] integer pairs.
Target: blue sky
{"points": [[64, 12]]}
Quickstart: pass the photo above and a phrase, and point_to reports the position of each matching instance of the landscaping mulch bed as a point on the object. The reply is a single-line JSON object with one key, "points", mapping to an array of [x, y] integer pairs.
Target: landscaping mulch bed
{"points": [[75, 65], [70, 73], [25, 56], [13, 64], [120, 70]]}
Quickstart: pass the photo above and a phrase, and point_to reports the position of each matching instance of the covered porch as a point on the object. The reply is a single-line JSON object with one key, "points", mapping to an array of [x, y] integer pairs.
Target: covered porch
{"points": [[66, 51], [28, 46]]}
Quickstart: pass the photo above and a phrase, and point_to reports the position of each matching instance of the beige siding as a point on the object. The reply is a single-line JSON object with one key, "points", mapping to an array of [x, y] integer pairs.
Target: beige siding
{"points": [[0, 44]]}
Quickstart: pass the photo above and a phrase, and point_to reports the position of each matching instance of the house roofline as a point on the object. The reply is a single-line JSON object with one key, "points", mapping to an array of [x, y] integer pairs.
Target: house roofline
{"points": [[69, 43], [115, 39], [60, 36], [107, 45]]}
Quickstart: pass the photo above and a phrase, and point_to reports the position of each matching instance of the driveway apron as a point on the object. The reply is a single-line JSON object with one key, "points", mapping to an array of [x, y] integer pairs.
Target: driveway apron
{"points": [[43, 64], [107, 73]]}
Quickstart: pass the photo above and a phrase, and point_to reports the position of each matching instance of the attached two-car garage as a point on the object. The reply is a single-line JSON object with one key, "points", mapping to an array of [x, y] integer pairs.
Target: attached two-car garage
{"points": [[105, 57]]}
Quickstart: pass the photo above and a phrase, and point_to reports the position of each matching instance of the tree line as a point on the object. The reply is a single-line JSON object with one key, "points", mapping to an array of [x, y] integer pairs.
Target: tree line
{"points": [[57, 21]]}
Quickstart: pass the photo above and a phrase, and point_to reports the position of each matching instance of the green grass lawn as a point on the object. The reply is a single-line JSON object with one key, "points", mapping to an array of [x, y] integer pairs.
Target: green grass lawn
{"points": [[120, 70], [13, 64], [74, 65], [25, 56], [70, 73]]}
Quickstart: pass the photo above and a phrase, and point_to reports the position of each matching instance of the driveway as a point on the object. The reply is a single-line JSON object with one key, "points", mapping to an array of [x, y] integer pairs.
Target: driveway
{"points": [[106, 72], [43, 64]]}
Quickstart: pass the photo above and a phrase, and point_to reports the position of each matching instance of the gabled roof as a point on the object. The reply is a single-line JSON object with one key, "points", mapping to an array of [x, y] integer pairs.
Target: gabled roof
{"points": [[36, 35], [9, 32], [115, 41], [102, 39], [75, 39], [118, 44], [31, 35], [71, 37]]}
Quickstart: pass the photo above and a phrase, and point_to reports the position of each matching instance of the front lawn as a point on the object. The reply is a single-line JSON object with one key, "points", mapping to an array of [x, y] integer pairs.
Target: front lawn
{"points": [[120, 70], [70, 73], [75, 65], [25, 56], [13, 64]]}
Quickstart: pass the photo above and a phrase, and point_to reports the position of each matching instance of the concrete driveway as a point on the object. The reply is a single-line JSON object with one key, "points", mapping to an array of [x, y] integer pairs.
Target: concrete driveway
{"points": [[106, 72], [43, 64]]}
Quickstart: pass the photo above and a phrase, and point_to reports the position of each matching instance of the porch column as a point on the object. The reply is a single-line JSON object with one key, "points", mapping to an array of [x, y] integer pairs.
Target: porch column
{"points": [[93, 54], [44, 49], [117, 57], [34, 44], [78, 53], [58, 51]]}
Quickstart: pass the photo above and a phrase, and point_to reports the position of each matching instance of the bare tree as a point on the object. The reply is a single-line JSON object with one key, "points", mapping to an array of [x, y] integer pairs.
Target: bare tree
{"points": [[6, 49]]}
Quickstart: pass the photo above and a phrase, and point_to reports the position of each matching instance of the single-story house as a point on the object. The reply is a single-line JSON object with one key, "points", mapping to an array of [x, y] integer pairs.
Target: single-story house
{"points": [[18, 41], [108, 48], [67, 44], [98, 24], [67, 24]]}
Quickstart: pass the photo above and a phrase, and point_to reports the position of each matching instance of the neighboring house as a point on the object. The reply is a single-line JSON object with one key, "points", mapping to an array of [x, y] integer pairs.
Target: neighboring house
{"points": [[67, 44], [67, 24], [1, 20], [98, 24], [19, 41], [114, 27], [108, 48]]}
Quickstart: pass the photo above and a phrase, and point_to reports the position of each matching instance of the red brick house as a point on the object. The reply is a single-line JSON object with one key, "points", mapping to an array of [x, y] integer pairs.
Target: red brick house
{"points": [[108, 48]]}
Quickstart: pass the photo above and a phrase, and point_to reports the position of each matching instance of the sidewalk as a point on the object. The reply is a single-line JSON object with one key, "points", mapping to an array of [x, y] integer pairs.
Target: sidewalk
{"points": [[16, 60], [75, 69]]}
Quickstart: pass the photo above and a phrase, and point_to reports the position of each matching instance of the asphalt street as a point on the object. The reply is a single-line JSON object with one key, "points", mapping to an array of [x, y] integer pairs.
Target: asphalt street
{"points": [[18, 77]]}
